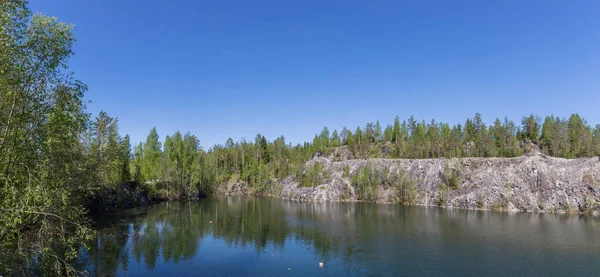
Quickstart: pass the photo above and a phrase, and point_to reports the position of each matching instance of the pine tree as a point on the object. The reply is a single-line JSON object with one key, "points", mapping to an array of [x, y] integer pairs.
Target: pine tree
{"points": [[335, 139], [596, 140], [530, 128], [576, 136], [378, 132], [388, 134], [396, 133], [265, 150], [370, 133], [550, 136], [344, 136]]}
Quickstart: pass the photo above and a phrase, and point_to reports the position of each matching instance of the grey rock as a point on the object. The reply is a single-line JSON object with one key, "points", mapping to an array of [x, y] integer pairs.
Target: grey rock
{"points": [[527, 183]]}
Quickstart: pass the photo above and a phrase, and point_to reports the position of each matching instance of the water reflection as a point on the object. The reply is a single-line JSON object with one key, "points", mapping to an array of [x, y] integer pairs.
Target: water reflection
{"points": [[267, 236]]}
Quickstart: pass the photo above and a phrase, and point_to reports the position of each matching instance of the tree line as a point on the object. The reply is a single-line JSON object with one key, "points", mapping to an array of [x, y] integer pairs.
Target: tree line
{"points": [[182, 166], [558, 137]]}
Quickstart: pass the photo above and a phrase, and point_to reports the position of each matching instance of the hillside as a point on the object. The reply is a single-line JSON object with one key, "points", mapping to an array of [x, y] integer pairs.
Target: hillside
{"points": [[533, 182]]}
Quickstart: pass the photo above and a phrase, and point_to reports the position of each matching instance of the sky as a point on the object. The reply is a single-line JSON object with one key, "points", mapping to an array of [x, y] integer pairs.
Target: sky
{"points": [[221, 69]]}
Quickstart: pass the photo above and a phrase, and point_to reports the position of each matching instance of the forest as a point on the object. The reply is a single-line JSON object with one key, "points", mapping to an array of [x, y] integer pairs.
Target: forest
{"points": [[58, 162]]}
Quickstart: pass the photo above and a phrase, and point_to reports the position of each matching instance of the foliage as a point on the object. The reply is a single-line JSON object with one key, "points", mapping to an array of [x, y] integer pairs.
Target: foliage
{"points": [[44, 169], [590, 205], [588, 179], [365, 181], [346, 171], [313, 175], [481, 202], [450, 178], [404, 186], [443, 197]]}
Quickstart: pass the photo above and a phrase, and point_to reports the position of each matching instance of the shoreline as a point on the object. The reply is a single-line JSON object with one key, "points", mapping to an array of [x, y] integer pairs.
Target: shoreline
{"points": [[531, 183]]}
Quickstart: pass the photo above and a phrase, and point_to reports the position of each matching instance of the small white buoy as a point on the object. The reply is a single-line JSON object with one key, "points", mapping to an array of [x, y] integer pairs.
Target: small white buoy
{"points": [[320, 264]]}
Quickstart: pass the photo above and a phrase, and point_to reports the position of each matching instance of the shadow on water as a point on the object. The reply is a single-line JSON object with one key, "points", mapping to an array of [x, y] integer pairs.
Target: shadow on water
{"points": [[255, 236]]}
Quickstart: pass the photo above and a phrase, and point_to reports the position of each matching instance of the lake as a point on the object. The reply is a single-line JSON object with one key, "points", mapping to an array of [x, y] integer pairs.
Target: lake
{"points": [[263, 236]]}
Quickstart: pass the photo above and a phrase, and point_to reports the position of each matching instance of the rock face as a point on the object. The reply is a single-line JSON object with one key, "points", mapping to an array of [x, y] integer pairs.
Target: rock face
{"points": [[238, 188], [528, 183]]}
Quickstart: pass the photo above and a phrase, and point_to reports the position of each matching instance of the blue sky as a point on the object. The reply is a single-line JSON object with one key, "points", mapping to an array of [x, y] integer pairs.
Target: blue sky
{"points": [[224, 69]]}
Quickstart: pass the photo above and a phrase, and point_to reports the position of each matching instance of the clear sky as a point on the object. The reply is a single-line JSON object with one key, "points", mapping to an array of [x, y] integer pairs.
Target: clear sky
{"points": [[224, 68]]}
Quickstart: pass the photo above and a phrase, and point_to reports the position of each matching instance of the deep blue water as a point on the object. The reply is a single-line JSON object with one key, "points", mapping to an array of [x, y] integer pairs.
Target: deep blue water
{"points": [[254, 236]]}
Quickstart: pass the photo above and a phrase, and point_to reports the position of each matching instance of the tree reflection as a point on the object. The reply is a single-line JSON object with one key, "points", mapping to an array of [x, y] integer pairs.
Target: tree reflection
{"points": [[362, 238], [175, 231]]}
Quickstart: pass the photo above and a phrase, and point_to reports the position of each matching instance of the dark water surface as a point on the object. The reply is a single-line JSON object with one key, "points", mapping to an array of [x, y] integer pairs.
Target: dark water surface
{"points": [[252, 236]]}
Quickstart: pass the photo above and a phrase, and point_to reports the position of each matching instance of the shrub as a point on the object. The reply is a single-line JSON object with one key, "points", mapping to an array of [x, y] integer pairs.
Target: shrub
{"points": [[497, 206], [313, 175], [590, 204], [234, 178], [480, 202], [346, 171], [374, 152], [365, 182], [450, 178], [405, 187], [542, 205], [443, 199], [588, 180], [386, 177]]}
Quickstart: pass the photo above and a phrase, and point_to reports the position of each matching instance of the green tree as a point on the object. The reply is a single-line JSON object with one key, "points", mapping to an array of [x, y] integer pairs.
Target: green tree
{"points": [[151, 155], [125, 158], [264, 150], [324, 138], [577, 136], [138, 155], [596, 140], [41, 160], [396, 131], [550, 138], [530, 128], [370, 133], [335, 139], [191, 146], [388, 133], [378, 132]]}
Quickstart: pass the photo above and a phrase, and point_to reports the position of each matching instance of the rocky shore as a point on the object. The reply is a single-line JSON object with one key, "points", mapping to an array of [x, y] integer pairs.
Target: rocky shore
{"points": [[533, 183]]}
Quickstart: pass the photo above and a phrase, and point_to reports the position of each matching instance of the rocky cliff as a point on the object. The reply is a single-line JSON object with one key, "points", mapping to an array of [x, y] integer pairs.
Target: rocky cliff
{"points": [[528, 183]]}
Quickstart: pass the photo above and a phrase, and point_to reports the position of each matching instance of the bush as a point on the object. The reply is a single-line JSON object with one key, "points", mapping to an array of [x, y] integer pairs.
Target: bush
{"points": [[405, 187], [374, 152], [365, 182], [450, 178], [443, 199], [313, 175], [588, 180], [480, 202], [234, 178], [590, 204], [346, 171]]}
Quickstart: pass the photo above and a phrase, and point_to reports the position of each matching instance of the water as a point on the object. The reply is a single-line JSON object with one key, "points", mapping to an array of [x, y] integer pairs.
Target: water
{"points": [[252, 236]]}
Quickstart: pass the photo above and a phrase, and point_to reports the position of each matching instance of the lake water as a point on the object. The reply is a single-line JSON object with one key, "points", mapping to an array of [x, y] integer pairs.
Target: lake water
{"points": [[254, 236]]}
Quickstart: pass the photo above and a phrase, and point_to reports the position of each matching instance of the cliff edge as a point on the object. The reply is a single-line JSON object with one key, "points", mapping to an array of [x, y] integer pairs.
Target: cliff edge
{"points": [[534, 182]]}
